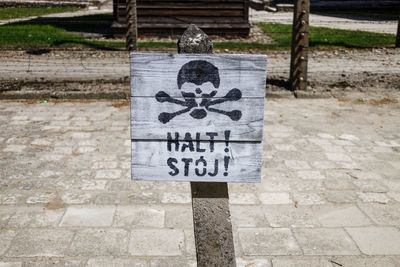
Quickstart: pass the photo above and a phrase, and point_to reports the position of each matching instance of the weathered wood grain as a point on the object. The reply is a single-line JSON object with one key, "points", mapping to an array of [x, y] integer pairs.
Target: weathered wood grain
{"points": [[151, 73], [145, 124], [221, 123], [150, 162]]}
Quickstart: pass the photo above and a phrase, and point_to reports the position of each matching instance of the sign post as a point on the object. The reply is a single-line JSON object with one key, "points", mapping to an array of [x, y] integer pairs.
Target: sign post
{"points": [[299, 54], [210, 201], [398, 33], [199, 118]]}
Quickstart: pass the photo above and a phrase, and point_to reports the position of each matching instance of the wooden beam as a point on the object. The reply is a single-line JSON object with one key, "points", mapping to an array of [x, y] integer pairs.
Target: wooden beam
{"points": [[398, 34], [299, 55], [131, 33]]}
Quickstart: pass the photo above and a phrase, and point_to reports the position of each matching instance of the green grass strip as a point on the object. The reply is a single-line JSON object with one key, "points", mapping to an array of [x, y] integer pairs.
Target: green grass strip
{"points": [[39, 35], [22, 12], [321, 37]]}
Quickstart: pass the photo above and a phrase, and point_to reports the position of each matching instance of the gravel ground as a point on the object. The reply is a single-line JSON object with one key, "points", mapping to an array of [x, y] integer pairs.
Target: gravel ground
{"points": [[105, 74]]}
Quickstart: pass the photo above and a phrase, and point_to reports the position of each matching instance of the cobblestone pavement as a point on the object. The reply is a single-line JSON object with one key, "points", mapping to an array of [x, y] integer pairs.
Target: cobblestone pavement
{"points": [[329, 196]]}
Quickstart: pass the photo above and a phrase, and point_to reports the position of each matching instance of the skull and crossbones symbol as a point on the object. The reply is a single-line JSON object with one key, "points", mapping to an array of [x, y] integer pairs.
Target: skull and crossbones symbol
{"points": [[198, 81]]}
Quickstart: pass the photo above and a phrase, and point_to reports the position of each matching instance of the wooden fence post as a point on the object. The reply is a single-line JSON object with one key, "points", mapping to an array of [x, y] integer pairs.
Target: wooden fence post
{"points": [[299, 57], [398, 33], [131, 24], [210, 201]]}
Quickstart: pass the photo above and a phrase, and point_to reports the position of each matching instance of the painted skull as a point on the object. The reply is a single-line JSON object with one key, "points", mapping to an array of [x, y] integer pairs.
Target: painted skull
{"points": [[198, 81]]}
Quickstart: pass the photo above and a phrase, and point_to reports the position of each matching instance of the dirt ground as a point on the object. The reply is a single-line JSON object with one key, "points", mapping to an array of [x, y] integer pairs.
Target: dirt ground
{"points": [[105, 74]]}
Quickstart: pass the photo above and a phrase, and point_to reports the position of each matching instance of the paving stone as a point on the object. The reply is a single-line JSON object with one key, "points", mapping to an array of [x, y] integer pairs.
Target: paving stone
{"points": [[34, 217], [337, 156], [247, 262], [41, 142], [309, 185], [382, 167], [6, 236], [339, 184], [100, 242], [139, 216], [285, 147], [340, 215], [76, 197], [310, 175], [382, 214], [41, 198], [304, 261], [96, 216], [325, 242], [178, 216], [80, 135], [346, 144], [242, 187], [308, 198], [394, 195], [10, 264], [86, 149], [55, 262], [91, 184], [267, 241], [243, 199], [365, 175], [40, 243], [326, 136], [190, 242], [108, 174], [341, 196], [175, 197], [11, 198], [273, 184], [296, 164], [376, 240], [349, 137], [63, 150], [157, 242], [172, 262], [145, 197], [108, 198], [50, 174], [247, 216], [392, 184], [105, 165], [373, 197], [363, 261], [370, 186], [275, 198], [395, 164], [112, 262], [5, 215], [290, 216], [324, 164]]}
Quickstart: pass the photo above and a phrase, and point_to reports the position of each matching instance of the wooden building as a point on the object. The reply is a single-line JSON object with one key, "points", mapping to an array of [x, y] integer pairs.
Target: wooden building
{"points": [[171, 17]]}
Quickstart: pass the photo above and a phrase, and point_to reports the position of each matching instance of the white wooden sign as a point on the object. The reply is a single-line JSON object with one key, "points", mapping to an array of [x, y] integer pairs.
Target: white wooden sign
{"points": [[197, 117]]}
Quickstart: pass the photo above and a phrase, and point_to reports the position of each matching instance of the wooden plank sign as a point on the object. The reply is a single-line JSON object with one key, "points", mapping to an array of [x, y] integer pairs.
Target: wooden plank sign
{"points": [[197, 117]]}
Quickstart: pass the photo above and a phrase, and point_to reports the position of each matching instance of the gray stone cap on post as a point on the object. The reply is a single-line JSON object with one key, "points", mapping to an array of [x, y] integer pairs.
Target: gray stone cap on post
{"points": [[195, 41]]}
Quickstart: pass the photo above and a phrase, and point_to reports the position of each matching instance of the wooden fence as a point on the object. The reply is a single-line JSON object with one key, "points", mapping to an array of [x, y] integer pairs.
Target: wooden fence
{"points": [[168, 17]]}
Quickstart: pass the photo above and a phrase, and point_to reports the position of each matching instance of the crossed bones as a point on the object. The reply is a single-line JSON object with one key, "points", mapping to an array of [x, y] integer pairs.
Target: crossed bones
{"points": [[206, 102]]}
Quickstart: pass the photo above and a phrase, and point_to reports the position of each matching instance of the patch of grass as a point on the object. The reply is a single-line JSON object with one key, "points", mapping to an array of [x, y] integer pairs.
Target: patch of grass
{"points": [[375, 14], [34, 35], [58, 33], [22, 12], [321, 37]]}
